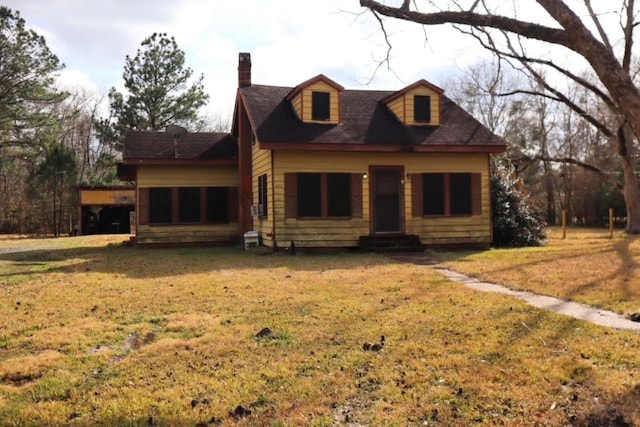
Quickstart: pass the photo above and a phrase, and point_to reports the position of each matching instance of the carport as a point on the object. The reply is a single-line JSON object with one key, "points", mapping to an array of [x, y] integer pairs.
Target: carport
{"points": [[105, 210]]}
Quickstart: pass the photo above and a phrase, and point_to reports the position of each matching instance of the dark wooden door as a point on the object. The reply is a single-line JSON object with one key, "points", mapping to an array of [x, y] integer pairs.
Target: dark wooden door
{"points": [[387, 200]]}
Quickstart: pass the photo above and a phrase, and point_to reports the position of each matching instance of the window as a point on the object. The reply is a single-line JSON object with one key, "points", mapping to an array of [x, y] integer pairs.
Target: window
{"points": [[309, 194], [160, 205], [421, 109], [188, 204], [262, 194], [433, 201], [217, 204], [446, 194], [323, 195], [320, 106]]}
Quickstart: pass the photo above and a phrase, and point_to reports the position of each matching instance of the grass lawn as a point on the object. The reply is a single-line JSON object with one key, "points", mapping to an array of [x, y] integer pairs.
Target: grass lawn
{"points": [[587, 266], [95, 332]]}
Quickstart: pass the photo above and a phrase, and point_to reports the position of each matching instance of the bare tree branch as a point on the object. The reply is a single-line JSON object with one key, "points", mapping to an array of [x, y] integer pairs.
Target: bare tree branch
{"points": [[610, 176], [627, 29], [598, 24], [527, 29]]}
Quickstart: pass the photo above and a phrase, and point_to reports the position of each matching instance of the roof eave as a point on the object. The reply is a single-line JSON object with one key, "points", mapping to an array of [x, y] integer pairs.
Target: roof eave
{"points": [[180, 162], [382, 148]]}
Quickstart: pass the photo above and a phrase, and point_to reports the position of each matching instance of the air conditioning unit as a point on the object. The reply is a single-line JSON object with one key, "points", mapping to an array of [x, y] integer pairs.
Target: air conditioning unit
{"points": [[256, 210]]}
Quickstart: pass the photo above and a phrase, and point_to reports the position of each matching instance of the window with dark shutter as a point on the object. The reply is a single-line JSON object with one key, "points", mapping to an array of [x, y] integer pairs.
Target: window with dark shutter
{"points": [[160, 206], [143, 205], [323, 195], [451, 194], [262, 194], [320, 106], [421, 109]]}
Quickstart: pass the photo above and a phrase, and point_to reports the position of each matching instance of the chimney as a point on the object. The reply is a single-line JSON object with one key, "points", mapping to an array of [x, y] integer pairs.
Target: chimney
{"points": [[244, 69]]}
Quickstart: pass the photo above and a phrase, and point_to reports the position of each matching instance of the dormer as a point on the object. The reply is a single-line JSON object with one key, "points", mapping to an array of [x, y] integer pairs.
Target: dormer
{"points": [[417, 104], [318, 100]]}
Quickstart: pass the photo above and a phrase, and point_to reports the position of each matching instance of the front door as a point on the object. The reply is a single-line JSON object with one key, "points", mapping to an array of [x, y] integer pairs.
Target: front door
{"points": [[387, 199]]}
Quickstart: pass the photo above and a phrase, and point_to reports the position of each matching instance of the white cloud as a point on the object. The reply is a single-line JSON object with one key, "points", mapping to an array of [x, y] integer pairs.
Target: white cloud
{"points": [[289, 40], [76, 80]]}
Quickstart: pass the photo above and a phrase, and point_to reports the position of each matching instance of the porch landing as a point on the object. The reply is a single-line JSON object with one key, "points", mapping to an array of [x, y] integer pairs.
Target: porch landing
{"points": [[391, 243]]}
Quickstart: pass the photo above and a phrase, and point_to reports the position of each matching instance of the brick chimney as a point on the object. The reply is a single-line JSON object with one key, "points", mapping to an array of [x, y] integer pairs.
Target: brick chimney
{"points": [[244, 69]]}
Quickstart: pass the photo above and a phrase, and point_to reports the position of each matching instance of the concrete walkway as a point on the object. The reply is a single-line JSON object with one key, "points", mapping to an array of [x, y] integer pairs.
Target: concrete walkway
{"points": [[578, 311]]}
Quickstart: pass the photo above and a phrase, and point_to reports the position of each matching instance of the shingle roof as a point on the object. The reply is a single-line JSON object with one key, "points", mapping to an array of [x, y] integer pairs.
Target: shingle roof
{"points": [[365, 121], [198, 145]]}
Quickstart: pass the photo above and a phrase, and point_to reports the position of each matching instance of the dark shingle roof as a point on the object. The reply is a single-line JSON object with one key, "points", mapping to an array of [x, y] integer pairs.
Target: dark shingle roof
{"points": [[198, 145], [365, 121]]}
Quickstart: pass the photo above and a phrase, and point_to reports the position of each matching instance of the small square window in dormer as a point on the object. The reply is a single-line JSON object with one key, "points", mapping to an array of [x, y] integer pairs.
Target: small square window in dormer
{"points": [[320, 106], [421, 109]]}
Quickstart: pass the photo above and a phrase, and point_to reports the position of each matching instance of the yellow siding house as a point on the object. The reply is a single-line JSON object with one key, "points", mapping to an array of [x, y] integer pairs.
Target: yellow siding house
{"points": [[316, 165], [330, 167]]}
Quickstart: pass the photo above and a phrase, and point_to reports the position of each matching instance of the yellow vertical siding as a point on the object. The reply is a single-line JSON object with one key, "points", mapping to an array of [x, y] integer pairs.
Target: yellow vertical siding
{"points": [[334, 108], [262, 165]]}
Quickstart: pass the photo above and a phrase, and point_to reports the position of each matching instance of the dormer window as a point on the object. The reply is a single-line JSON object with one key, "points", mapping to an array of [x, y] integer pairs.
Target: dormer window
{"points": [[421, 109], [416, 105], [320, 102]]}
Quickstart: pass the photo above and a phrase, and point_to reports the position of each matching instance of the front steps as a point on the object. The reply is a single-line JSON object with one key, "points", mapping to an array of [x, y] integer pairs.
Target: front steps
{"points": [[391, 243]]}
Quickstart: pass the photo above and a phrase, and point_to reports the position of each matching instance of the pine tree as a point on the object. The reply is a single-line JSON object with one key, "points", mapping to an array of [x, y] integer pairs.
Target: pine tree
{"points": [[159, 91]]}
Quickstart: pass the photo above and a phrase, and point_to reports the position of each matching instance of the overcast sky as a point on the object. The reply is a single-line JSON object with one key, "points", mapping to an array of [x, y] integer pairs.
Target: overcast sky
{"points": [[289, 41]]}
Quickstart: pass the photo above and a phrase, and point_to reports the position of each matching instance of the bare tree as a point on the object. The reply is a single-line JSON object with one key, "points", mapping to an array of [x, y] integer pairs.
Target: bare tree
{"points": [[505, 34]]}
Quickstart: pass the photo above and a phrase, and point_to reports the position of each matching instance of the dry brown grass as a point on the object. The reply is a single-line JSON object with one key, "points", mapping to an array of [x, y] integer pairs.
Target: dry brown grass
{"points": [[114, 335], [586, 267]]}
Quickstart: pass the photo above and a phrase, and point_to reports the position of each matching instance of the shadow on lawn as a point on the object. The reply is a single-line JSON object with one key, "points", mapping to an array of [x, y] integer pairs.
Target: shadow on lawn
{"points": [[580, 398], [136, 262]]}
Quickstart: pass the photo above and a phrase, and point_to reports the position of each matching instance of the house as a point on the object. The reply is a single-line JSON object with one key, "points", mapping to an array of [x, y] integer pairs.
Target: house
{"points": [[186, 186], [323, 166]]}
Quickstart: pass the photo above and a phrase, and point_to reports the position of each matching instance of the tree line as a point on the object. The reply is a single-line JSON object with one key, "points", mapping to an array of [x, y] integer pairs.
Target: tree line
{"points": [[51, 141], [572, 137]]}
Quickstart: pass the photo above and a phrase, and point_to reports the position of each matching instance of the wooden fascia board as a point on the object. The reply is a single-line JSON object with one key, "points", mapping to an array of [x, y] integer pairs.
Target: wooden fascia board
{"points": [[181, 162], [312, 80], [286, 146], [246, 109], [409, 88], [234, 130]]}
